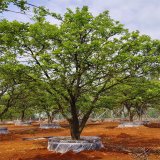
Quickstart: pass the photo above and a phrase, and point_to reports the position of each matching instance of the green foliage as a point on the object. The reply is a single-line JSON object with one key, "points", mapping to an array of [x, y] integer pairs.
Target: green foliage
{"points": [[19, 3], [80, 62], [137, 95]]}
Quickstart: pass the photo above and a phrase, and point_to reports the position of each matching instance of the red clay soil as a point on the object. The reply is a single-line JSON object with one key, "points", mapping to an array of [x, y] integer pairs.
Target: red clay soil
{"points": [[119, 143]]}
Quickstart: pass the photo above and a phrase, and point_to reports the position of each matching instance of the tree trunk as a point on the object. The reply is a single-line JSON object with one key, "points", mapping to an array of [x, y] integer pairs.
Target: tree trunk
{"points": [[1, 119], [74, 122], [74, 130], [50, 119], [22, 115], [140, 117], [131, 116]]}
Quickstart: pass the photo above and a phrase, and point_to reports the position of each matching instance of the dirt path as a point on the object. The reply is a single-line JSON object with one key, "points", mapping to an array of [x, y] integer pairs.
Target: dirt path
{"points": [[118, 142]]}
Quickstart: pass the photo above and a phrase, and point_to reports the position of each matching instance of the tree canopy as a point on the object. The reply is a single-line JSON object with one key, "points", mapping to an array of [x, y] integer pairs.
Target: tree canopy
{"points": [[78, 61]]}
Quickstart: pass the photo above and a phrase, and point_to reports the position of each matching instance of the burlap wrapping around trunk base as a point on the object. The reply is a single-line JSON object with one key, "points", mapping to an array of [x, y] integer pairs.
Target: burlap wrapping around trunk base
{"points": [[130, 124], [48, 126], [4, 130], [20, 123], [65, 144]]}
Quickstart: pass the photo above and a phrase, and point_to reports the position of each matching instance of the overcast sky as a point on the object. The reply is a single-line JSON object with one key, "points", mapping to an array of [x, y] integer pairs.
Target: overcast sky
{"points": [[142, 15]]}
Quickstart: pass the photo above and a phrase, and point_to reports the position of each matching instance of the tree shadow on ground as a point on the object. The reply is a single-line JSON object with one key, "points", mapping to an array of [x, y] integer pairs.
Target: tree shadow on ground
{"points": [[125, 140], [153, 125], [111, 127], [66, 156], [93, 124]]}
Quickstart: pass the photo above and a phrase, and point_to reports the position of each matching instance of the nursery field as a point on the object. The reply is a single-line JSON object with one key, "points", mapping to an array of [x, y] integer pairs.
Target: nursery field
{"points": [[76, 81], [119, 143]]}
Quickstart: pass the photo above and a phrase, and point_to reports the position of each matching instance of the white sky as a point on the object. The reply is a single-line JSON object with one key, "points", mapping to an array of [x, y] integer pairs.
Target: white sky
{"points": [[142, 15]]}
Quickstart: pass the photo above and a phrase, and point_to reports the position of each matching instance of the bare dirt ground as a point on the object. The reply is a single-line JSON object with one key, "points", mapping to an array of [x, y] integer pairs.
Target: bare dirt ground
{"points": [[120, 143]]}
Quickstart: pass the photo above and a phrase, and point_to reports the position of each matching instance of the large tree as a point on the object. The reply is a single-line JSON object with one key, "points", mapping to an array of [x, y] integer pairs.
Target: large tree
{"points": [[78, 61]]}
